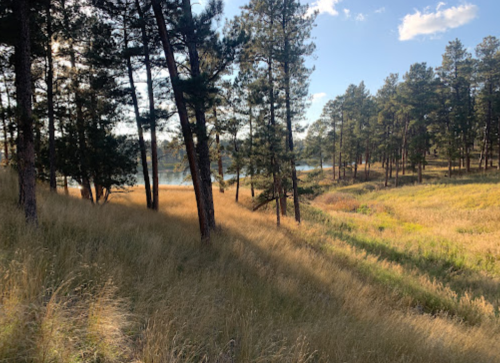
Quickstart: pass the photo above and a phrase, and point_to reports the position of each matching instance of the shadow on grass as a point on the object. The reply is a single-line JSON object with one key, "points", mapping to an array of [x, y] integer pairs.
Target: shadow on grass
{"points": [[433, 266]]}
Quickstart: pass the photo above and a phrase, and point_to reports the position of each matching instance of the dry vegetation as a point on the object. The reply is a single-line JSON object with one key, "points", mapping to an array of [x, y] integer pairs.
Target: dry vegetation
{"points": [[406, 275]]}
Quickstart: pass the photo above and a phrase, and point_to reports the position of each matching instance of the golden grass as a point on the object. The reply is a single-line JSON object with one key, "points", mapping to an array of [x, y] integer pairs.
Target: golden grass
{"points": [[121, 283]]}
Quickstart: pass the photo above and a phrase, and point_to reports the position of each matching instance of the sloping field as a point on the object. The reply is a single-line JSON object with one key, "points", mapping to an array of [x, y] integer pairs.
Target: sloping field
{"points": [[119, 283]]}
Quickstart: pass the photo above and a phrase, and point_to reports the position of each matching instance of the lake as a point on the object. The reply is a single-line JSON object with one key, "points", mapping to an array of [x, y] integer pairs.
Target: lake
{"points": [[171, 177]]}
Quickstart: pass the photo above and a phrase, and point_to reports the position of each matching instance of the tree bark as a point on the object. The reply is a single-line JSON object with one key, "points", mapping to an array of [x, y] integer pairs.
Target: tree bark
{"points": [[219, 154], [251, 155], [366, 159], [397, 171], [142, 145], [201, 127], [26, 150], [420, 172], [5, 134], [340, 142], [184, 120], [403, 151], [286, 68], [50, 101], [333, 149], [152, 116]]}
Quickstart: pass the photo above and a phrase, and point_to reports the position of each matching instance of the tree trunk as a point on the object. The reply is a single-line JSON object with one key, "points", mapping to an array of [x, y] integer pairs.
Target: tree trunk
{"points": [[184, 120], [219, 154], [467, 159], [390, 160], [201, 127], [498, 143], [10, 128], [99, 192], [397, 171], [366, 160], [66, 190], [274, 159], [50, 101], [251, 155], [142, 145], [152, 116], [340, 142], [449, 159], [403, 151], [333, 152], [286, 67], [5, 134], [386, 174], [420, 172], [26, 150], [237, 183]]}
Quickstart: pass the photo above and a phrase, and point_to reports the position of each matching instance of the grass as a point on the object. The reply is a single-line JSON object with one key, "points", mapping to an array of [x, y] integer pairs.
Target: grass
{"points": [[119, 283]]}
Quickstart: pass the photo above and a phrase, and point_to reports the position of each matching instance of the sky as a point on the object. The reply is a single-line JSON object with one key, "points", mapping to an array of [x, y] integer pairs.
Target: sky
{"points": [[366, 40]]}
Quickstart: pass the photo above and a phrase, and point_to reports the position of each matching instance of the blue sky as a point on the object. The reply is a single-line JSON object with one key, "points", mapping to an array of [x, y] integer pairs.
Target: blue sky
{"points": [[362, 40]]}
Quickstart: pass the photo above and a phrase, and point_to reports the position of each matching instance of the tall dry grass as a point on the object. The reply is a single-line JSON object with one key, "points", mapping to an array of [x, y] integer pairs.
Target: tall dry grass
{"points": [[119, 283]]}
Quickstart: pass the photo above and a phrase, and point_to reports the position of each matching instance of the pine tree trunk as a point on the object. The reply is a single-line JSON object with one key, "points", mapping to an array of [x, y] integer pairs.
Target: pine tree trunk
{"points": [[66, 189], [498, 143], [386, 174], [184, 120], [251, 156], [397, 171], [5, 134], [201, 128], [26, 150], [420, 172], [152, 116], [340, 143], [10, 129], [391, 160], [366, 160], [219, 154], [50, 101], [237, 183], [403, 150], [449, 159], [142, 145], [286, 67], [467, 159], [333, 153]]}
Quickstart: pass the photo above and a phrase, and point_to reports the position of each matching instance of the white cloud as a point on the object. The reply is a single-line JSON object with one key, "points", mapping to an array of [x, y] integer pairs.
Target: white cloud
{"points": [[360, 17], [323, 6], [440, 5], [347, 13], [427, 23], [316, 97], [380, 11]]}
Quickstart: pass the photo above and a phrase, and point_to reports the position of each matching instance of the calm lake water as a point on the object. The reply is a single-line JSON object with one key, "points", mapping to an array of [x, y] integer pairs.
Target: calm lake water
{"points": [[171, 177]]}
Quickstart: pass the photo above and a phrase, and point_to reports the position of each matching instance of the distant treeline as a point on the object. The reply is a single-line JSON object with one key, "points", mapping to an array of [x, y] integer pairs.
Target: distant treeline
{"points": [[454, 107]]}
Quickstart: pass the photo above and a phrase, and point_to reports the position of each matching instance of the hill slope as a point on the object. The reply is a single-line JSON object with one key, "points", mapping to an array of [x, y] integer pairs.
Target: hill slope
{"points": [[120, 283]]}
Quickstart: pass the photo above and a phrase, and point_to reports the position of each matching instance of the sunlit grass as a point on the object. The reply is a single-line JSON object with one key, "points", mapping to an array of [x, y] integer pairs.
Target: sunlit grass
{"points": [[121, 283]]}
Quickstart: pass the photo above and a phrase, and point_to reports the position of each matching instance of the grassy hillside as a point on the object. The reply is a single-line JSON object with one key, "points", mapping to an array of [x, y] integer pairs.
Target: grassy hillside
{"points": [[404, 275]]}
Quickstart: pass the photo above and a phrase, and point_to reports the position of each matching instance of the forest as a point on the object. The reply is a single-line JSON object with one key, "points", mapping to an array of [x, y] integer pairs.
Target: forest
{"points": [[387, 252], [451, 111]]}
